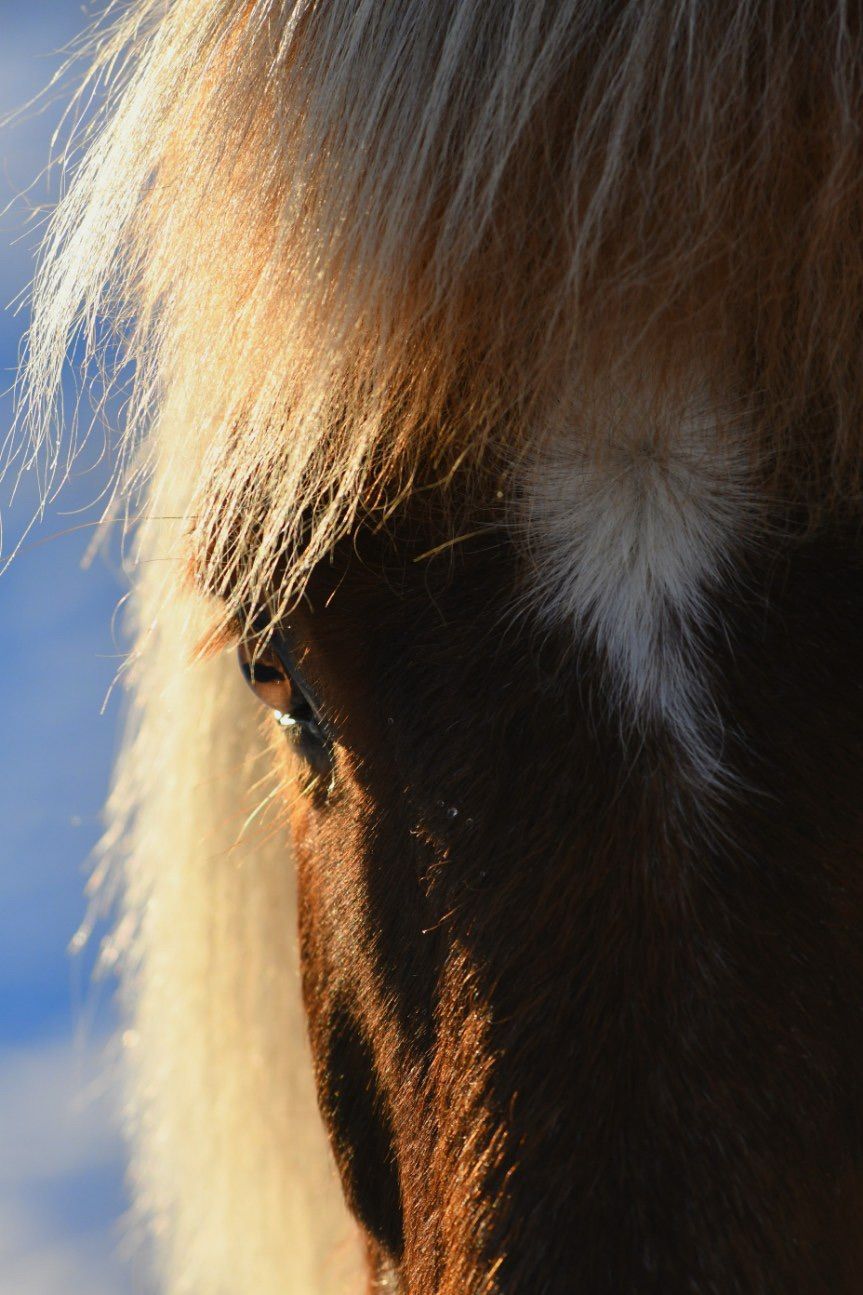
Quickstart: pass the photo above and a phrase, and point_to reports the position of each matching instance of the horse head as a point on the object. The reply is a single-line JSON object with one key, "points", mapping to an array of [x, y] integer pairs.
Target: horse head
{"points": [[497, 402]]}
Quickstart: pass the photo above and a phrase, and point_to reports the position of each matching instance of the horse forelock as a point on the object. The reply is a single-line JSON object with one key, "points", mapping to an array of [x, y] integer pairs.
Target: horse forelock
{"points": [[345, 242]]}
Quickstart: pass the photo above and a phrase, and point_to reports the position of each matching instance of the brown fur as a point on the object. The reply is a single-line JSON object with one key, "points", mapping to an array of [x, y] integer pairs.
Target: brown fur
{"points": [[589, 1032]]}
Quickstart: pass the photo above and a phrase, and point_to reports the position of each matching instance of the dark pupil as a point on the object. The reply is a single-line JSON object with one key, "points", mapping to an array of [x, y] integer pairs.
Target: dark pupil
{"points": [[260, 672]]}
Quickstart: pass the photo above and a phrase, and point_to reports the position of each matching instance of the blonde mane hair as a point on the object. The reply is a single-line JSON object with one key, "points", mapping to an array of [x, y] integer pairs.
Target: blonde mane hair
{"points": [[343, 243]]}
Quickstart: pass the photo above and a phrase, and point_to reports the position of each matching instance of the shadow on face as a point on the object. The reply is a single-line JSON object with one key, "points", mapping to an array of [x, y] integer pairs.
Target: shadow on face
{"points": [[578, 1021]]}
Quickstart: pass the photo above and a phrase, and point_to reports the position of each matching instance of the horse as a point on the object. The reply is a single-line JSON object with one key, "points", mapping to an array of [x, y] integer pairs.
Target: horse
{"points": [[495, 414]]}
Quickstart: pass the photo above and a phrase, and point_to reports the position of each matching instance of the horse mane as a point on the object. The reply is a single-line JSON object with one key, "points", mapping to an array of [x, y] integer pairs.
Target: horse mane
{"points": [[346, 244], [335, 240]]}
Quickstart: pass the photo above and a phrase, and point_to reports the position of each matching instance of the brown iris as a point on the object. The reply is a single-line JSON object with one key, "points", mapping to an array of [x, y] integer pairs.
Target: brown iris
{"points": [[267, 676], [279, 686]]}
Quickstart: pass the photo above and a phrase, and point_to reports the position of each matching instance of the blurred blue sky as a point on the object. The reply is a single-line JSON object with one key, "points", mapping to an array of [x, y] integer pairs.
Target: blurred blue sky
{"points": [[61, 1197]]}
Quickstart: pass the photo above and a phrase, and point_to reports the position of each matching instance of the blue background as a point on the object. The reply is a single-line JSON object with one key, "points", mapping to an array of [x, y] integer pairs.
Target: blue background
{"points": [[61, 1193]]}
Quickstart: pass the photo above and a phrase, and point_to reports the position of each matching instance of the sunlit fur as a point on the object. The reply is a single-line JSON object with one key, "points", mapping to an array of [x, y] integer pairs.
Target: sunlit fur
{"points": [[340, 241], [230, 1168]]}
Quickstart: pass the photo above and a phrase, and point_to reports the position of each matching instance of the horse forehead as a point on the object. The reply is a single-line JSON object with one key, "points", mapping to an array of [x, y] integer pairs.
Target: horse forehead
{"points": [[629, 527]]}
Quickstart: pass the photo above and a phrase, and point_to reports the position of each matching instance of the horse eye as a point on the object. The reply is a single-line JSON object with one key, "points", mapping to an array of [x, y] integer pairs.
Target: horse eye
{"points": [[277, 686], [267, 677]]}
